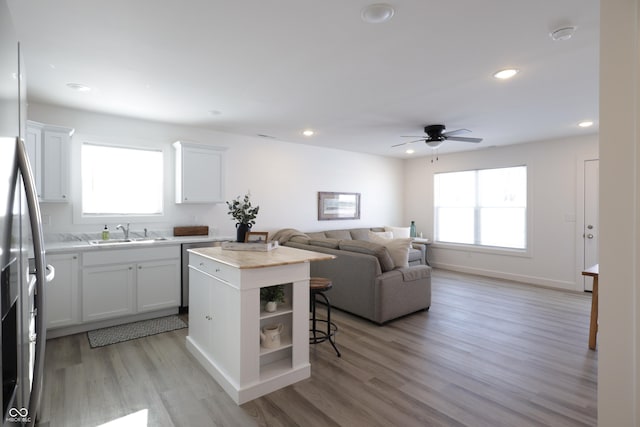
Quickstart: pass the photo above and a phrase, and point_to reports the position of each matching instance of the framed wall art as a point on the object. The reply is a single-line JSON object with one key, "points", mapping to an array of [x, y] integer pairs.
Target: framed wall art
{"points": [[333, 205]]}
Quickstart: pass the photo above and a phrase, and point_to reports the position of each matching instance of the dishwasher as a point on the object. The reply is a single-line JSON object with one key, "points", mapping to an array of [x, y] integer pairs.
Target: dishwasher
{"points": [[184, 307]]}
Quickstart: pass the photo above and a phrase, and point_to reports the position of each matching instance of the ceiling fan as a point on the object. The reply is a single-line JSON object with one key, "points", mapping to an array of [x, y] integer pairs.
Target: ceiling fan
{"points": [[436, 135]]}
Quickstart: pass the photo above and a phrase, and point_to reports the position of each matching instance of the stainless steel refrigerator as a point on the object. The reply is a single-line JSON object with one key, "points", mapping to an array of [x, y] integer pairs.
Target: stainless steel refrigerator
{"points": [[22, 264]]}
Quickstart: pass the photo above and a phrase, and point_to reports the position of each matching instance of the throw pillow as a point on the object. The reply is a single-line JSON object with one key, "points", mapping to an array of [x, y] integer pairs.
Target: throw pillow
{"points": [[399, 232], [383, 234], [398, 248], [369, 248]]}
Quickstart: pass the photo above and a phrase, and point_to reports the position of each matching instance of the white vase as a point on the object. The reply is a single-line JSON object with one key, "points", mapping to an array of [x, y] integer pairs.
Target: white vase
{"points": [[271, 306], [270, 336]]}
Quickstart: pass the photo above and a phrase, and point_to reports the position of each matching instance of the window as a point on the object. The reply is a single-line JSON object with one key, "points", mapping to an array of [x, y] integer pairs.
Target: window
{"points": [[482, 207], [121, 181]]}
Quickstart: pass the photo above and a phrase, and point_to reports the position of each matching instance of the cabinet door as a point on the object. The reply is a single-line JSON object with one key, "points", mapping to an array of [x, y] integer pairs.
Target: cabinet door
{"points": [[200, 175], [158, 285], [199, 317], [33, 141], [61, 294], [107, 292], [226, 324], [55, 166]]}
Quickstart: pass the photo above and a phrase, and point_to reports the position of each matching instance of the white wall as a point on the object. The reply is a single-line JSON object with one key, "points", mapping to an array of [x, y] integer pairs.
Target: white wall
{"points": [[554, 171], [283, 178]]}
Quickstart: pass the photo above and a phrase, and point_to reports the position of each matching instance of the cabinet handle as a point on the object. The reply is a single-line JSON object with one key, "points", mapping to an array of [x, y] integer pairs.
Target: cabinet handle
{"points": [[217, 270], [139, 267], [64, 196], [75, 257], [130, 268], [202, 264]]}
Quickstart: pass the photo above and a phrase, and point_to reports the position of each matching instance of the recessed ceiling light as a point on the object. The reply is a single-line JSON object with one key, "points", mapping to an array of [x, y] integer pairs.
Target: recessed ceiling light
{"points": [[505, 74], [79, 87], [410, 151], [377, 13], [308, 132], [564, 33], [585, 124]]}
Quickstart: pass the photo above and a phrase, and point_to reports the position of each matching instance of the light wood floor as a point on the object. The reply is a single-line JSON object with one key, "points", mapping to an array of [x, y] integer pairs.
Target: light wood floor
{"points": [[488, 353]]}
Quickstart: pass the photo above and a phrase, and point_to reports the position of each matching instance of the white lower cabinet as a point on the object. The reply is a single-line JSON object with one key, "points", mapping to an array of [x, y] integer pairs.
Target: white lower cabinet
{"points": [[61, 294], [121, 282], [156, 284], [107, 292]]}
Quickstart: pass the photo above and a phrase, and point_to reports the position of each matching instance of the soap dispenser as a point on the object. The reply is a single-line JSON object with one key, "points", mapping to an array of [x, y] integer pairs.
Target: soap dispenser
{"points": [[412, 229], [105, 233]]}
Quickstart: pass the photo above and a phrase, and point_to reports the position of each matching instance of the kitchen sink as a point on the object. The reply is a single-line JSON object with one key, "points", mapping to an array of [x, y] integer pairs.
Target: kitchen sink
{"points": [[127, 241]]}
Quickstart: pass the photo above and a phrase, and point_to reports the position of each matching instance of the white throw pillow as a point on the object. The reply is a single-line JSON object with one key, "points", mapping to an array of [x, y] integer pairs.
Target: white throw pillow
{"points": [[383, 234], [398, 248], [399, 232]]}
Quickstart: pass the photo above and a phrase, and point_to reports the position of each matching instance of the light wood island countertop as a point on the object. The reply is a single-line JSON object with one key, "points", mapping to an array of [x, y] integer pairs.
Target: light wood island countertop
{"points": [[256, 259]]}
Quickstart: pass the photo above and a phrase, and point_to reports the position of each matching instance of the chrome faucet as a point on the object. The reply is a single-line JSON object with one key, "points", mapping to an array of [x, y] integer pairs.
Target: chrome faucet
{"points": [[124, 229]]}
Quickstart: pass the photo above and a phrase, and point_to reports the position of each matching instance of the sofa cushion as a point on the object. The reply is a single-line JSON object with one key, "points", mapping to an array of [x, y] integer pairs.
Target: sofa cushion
{"points": [[398, 248], [338, 234], [360, 233], [300, 239], [325, 243], [369, 248], [317, 235]]}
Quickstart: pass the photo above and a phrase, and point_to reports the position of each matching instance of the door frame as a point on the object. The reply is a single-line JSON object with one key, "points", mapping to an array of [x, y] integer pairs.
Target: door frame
{"points": [[580, 225]]}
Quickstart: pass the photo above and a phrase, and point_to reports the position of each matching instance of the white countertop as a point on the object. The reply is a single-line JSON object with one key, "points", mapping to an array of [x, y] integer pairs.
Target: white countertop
{"points": [[283, 255], [77, 243]]}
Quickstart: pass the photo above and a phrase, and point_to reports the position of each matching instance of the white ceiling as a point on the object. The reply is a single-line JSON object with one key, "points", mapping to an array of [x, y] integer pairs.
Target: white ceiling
{"points": [[278, 67]]}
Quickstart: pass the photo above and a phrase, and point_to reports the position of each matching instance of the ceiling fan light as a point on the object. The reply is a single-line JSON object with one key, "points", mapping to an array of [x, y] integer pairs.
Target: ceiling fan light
{"points": [[435, 143]]}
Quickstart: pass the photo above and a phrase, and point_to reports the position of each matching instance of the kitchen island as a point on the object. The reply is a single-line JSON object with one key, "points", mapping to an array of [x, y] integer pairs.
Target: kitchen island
{"points": [[226, 317]]}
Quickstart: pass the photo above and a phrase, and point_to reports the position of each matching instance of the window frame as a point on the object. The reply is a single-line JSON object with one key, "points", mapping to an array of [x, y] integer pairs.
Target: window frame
{"points": [[78, 215], [473, 247]]}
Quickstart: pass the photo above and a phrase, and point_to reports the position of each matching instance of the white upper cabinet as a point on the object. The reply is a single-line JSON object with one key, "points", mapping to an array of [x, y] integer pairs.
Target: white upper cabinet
{"points": [[199, 173], [49, 150]]}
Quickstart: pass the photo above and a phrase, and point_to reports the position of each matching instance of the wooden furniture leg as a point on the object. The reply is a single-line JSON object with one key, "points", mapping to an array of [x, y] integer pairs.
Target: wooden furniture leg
{"points": [[593, 327]]}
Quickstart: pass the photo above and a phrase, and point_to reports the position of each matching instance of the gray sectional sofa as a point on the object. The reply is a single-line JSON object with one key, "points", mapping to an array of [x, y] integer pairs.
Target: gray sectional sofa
{"points": [[366, 282]]}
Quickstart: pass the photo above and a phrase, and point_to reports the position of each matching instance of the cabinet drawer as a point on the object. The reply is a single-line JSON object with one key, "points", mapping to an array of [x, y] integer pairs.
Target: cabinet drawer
{"points": [[214, 268], [100, 256]]}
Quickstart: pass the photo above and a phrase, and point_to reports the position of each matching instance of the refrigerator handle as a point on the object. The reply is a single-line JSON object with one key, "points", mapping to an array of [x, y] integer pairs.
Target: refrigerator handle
{"points": [[40, 271]]}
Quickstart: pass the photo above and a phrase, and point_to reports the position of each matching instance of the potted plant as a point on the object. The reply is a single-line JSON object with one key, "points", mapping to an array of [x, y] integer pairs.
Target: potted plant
{"points": [[272, 295], [244, 213]]}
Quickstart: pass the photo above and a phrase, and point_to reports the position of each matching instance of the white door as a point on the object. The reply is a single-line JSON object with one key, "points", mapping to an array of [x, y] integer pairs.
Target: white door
{"points": [[591, 229]]}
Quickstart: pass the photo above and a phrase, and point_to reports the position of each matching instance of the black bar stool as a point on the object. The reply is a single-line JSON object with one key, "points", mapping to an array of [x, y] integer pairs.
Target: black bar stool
{"points": [[318, 286]]}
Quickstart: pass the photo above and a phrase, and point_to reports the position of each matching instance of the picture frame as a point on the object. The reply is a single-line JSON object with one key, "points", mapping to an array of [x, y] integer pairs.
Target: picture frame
{"points": [[256, 237], [338, 205]]}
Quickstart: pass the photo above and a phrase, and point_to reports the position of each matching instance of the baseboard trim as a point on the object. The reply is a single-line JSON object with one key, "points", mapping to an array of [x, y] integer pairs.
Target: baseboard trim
{"points": [[532, 280]]}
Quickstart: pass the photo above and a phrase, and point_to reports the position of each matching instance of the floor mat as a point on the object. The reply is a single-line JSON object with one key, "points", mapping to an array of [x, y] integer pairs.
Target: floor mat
{"points": [[132, 331]]}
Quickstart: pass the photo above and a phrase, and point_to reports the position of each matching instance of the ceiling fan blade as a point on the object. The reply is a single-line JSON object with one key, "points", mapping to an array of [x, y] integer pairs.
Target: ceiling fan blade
{"points": [[408, 142], [455, 132], [464, 139], [412, 136]]}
